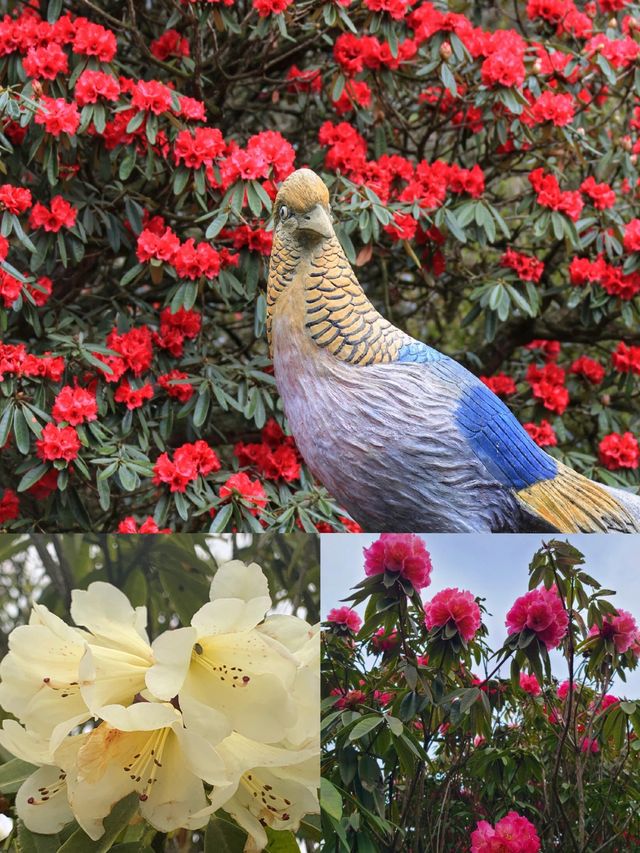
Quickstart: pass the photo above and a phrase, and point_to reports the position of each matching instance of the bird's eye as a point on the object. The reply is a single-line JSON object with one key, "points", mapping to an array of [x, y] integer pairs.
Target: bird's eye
{"points": [[284, 212]]}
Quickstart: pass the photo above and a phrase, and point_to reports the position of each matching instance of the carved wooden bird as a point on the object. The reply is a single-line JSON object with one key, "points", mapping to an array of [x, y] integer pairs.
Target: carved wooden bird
{"points": [[404, 437]]}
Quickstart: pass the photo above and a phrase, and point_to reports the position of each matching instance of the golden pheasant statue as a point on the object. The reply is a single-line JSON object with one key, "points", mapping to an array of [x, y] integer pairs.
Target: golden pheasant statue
{"points": [[404, 437]]}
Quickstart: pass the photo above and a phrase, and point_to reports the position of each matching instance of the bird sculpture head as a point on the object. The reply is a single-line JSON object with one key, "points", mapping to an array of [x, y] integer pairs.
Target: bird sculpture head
{"points": [[302, 211]]}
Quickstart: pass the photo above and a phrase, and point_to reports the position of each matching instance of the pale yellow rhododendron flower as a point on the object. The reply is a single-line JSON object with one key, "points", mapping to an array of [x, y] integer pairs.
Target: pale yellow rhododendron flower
{"points": [[41, 801], [224, 671], [271, 786], [143, 748], [56, 677]]}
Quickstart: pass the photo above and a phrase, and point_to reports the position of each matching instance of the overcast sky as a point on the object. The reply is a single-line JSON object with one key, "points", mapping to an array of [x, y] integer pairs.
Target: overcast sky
{"points": [[494, 567]]}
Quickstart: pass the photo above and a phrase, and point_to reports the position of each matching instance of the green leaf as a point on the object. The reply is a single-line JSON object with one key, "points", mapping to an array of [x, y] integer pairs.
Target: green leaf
{"points": [[330, 799], [395, 725], [114, 824], [35, 842], [281, 842], [32, 476], [222, 836], [21, 432], [13, 773], [365, 726]]}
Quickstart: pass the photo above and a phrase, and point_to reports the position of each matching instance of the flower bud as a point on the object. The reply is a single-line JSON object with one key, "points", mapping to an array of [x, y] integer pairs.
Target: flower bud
{"points": [[445, 50]]}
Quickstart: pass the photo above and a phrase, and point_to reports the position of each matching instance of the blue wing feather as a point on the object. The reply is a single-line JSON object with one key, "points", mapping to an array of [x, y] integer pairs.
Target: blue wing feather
{"points": [[493, 432]]}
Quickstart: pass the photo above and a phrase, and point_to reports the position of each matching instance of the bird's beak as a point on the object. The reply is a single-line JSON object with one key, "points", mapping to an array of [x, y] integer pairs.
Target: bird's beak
{"points": [[317, 221]]}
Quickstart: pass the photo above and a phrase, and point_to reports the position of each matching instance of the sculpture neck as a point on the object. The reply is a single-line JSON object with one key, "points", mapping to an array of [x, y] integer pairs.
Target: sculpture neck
{"points": [[338, 316]]}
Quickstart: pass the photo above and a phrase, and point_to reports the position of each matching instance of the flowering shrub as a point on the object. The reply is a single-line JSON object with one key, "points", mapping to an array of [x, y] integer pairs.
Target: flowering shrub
{"points": [[483, 172], [434, 740], [206, 727]]}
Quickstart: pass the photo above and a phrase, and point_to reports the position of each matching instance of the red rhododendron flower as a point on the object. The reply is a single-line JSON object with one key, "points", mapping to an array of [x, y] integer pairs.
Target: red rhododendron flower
{"points": [[351, 699], [589, 745], [563, 689], [135, 347], [546, 384], [632, 236], [41, 290], [4, 248], [530, 684], [270, 7], [558, 109], [10, 288], [589, 368], [618, 450], [198, 148], [46, 61], [133, 397], [130, 525], [58, 443], [455, 607], [345, 617], [249, 491], [59, 214], [309, 80], [525, 267], [177, 477], [92, 85], [9, 506], [355, 92], [500, 384], [626, 359], [161, 246], [152, 96], [541, 611], [174, 386], [14, 199], [395, 8], [512, 834], [57, 116], [75, 406], [170, 43], [383, 642], [404, 554], [543, 433], [601, 195], [94, 40], [620, 628], [550, 195]]}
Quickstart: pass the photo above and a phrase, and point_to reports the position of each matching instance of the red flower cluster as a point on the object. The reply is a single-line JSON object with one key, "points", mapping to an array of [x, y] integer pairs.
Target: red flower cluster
{"points": [[57, 116], [9, 506], [563, 14], [199, 148], [404, 554], [10, 288], [632, 236], [626, 359], [175, 386], [558, 109], [58, 443], [135, 349], [619, 450], [243, 488], [176, 328], [612, 279], [309, 80], [15, 360], [275, 457], [530, 684], [355, 53], [59, 214], [589, 368], [543, 433], [550, 195], [525, 267], [130, 525], [455, 607], [14, 200], [133, 397], [601, 195], [170, 43], [189, 462], [189, 259], [547, 384], [45, 62], [93, 85], [500, 384], [74, 406], [541, 611]]}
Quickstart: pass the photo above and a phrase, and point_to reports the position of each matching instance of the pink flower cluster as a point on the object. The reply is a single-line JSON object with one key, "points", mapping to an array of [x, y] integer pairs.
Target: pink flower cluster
{"points": [[621, 629], [346, 618], [404, 554], [456, 607], [541, 611], [513, 834]]}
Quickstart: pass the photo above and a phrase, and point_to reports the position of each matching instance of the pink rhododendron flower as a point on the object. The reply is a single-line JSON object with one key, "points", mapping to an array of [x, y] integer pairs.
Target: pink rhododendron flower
{"points": [[541, 611], [621, 628], [454, 606], [530, 684], [345, 617], [402, 553], [513, 834]]}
